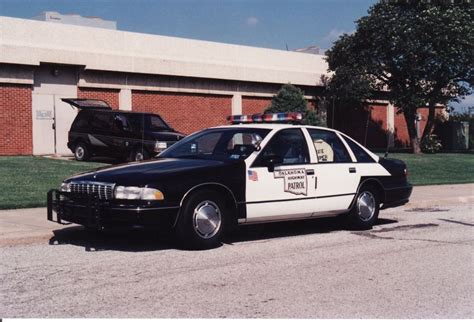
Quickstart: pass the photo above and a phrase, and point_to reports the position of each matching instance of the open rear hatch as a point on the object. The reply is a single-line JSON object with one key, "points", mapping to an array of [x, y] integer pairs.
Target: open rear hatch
{"points": [[87, 103]]}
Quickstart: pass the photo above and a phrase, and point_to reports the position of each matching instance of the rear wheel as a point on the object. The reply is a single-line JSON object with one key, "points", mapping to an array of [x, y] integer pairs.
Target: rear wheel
{"points": [[201, 221], [365, 210], [81, 152]]}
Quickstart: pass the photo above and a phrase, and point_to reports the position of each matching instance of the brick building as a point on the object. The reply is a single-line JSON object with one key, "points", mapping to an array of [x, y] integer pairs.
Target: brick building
{"points": [[191, 84]]}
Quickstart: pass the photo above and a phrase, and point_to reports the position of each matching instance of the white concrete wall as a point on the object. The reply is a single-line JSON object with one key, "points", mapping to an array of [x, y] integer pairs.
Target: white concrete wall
{"points": [[30, 42]]}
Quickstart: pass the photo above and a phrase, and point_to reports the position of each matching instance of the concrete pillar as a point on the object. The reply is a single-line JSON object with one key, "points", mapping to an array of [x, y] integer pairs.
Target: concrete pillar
{"points": [[125, 99], [391, 125], [236, 104]]}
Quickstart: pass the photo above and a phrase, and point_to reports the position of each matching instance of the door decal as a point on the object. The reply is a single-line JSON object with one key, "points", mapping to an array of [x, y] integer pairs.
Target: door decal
{"points": [[253, 175], [294, 180]]}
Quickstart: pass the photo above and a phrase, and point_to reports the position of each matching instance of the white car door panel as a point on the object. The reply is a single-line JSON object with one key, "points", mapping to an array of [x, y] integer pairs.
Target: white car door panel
{"points": [[287, 190]]}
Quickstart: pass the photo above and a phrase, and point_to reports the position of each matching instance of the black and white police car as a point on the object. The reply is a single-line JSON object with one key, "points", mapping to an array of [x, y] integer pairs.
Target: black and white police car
{"points": [[254, 170]]}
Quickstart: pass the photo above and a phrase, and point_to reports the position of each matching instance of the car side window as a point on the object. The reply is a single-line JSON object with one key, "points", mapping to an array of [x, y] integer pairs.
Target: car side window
{"points": [[81, 121], [288, 145], [359, 153], [102, 121], [329, 148], [121, 123]]}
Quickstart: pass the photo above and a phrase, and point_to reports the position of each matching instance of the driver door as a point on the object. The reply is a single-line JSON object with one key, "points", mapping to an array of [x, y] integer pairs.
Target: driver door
{"points": [[278, 183]]}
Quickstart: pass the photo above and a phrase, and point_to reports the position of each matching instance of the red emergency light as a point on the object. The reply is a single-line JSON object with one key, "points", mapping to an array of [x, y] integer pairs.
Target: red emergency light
{"points": [[283, 117]]}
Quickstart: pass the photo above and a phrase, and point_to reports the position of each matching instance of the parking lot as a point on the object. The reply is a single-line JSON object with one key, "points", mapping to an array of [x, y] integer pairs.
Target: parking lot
{"points": [[417, 262]]}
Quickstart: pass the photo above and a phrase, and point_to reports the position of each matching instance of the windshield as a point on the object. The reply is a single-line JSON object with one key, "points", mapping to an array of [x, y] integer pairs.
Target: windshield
{"points": [[217, 144]]}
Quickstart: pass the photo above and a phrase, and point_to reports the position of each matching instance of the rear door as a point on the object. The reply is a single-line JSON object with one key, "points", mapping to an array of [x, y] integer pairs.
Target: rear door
{"points": [[101, 136], [123, 135], [336, 175]]}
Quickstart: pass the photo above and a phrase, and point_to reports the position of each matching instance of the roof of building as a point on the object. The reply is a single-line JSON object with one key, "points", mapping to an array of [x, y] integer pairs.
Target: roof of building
{"points": [[30, 42]]}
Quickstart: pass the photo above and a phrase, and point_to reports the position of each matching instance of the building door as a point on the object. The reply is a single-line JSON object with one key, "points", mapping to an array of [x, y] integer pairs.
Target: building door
{"points": [[52, 119], [43, 124], [64, 115]]}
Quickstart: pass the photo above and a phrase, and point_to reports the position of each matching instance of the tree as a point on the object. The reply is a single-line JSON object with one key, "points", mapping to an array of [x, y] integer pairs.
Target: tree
{"points": [[288, 99], [417, 53], [291, 99]]}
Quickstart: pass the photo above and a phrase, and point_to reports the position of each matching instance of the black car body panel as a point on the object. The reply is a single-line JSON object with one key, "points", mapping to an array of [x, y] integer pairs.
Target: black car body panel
{"points": [[396, 189], [87, 103], [174, 177]]}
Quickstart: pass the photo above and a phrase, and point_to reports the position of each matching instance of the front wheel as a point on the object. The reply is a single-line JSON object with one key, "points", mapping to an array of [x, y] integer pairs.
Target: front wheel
{"points": [[139, 155], [201, 221], [365, 211]]}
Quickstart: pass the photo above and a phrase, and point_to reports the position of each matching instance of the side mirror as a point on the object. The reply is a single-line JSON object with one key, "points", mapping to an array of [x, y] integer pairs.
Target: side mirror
{"points": [[272, 160]]}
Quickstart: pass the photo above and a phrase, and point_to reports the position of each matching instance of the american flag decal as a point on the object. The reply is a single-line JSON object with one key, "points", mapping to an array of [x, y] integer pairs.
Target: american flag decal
{"points": [[252, 175]]}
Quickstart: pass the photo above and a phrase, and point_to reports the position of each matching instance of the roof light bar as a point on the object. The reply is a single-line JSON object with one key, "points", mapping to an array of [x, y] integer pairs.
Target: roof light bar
{"points": [[289, 117]]}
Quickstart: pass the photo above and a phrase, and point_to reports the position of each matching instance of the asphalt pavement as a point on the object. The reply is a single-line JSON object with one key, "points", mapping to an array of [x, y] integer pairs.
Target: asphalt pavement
{"points": [[417, 262]]}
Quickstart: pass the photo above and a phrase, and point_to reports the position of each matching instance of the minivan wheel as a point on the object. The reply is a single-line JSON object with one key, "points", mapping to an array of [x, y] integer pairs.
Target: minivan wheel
{"points": [[139, 155], [201, 220], [81, 153]]}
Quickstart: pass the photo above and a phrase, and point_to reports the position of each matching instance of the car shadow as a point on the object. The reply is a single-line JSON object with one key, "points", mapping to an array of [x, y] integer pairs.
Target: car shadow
{"points": [[293, 228], [120, 239], [146, 240]]}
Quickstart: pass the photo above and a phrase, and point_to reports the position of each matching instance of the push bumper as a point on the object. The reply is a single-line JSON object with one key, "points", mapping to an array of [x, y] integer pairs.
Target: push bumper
{"points": [[64, 208], [397, 196]]}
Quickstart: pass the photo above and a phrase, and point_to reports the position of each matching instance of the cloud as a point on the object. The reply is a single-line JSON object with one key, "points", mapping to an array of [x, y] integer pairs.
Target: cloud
{"points": [[332, 36], [251, 21]]}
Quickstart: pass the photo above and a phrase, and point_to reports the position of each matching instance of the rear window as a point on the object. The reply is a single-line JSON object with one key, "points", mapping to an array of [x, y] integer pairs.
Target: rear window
{"points": [[359, 153]]}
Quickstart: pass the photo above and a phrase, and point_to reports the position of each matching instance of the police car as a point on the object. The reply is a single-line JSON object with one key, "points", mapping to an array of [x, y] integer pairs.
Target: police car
{"points": [[252, 171]]}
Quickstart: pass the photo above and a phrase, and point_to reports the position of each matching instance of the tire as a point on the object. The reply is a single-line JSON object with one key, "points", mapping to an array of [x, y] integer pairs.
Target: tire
{"points": [[139, 155], [81, 152], [365, 211], [201, 221]]}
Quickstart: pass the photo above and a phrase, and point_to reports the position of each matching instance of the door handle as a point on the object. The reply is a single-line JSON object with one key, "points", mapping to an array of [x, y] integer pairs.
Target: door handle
{"points": [[352, 170], [310, 172]]}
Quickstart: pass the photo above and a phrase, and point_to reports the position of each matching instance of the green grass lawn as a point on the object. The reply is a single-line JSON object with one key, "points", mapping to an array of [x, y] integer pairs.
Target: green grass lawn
{"points": [[441, 168], [24, 181]]}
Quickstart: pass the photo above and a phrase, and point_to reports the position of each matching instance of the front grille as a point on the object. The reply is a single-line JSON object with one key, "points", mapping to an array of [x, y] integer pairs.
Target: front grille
{"points": [[103, 190]]}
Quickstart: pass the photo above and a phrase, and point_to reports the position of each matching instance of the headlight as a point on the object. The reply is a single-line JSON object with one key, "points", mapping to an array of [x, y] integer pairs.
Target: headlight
{"points": [[135, 193], [160, 146], [65, 187]]}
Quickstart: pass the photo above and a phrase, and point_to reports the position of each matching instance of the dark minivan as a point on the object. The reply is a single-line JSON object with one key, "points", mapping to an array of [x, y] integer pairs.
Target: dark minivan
{"points": [[98, 130]]}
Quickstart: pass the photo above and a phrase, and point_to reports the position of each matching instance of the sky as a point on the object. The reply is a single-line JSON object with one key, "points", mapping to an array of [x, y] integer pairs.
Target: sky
{"points": [[277, 24]]}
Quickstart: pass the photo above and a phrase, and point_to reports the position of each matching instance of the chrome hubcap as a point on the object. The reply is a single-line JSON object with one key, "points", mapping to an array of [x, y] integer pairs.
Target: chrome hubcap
{"points": [[138, 156], [366, 205], [207, 219], [79, 152]]}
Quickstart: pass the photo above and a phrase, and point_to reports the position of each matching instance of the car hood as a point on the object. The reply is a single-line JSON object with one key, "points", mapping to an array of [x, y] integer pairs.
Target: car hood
{"points": [[166, 135], [141, 173]]}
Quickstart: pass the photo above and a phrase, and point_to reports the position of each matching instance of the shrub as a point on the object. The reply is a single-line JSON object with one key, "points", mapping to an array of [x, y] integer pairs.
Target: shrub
{"points": [[430, 144]]}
